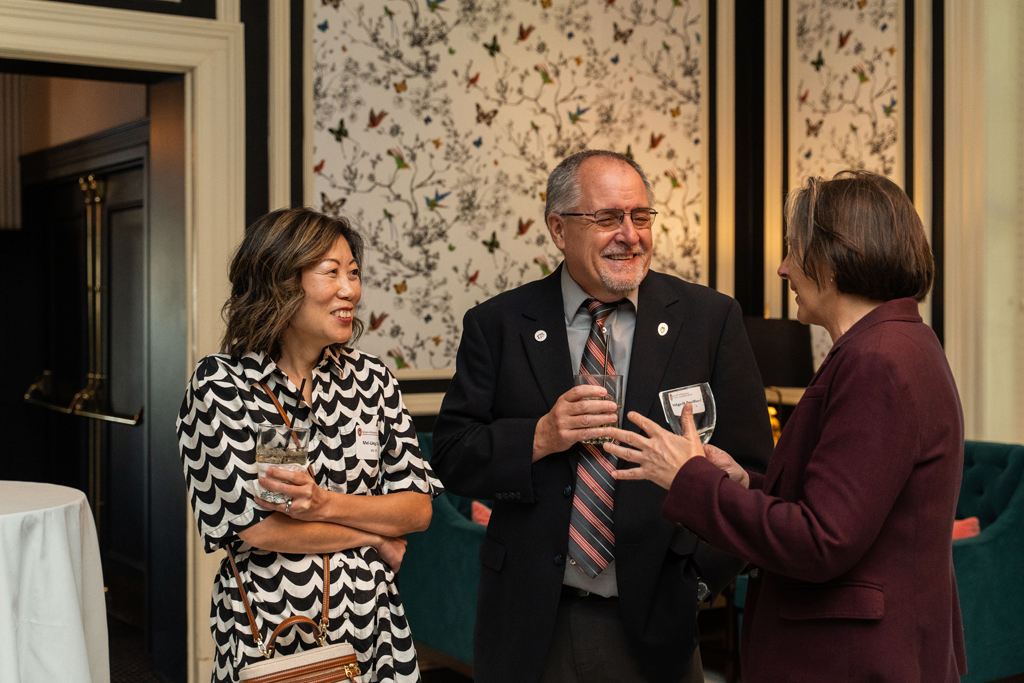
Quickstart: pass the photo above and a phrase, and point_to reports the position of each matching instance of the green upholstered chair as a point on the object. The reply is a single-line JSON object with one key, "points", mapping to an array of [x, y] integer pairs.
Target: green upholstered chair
{"points": [[441, 573], [990, 566]]}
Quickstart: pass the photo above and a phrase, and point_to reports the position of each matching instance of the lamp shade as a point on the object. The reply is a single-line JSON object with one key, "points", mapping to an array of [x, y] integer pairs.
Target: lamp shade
{"points": [[782, 349]]}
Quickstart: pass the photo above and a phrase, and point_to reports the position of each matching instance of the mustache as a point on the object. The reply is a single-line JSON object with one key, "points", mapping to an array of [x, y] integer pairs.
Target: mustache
{"points": [[636, 251]]}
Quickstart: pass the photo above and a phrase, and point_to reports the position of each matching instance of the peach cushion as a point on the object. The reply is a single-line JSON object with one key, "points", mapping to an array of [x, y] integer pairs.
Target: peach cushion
{"points": [[481, 514], [965, 528]]}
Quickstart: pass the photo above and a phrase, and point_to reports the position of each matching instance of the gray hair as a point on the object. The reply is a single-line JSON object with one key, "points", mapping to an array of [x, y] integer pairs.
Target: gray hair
{"points": [[563, 193]]}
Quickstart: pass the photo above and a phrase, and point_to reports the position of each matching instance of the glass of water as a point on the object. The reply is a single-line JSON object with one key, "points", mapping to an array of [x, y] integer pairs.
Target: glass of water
{"points": [[279, 446], [703, 402], [612, 384]]}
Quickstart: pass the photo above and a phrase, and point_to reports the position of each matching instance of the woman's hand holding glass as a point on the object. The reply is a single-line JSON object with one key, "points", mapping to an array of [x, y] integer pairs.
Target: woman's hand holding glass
{"points": [[307, 499]]}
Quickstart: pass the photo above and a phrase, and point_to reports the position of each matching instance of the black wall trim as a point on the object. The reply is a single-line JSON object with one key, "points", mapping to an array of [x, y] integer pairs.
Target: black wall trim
{"points": [[712, 142], [749, 258], [424, 386], [784, 284], [908, 97], [90, 73], [938, 168], [255, 16], [204, 9], [298, 114]]}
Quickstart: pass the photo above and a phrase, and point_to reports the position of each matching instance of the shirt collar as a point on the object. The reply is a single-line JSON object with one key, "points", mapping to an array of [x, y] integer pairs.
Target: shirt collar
{"points": [[331, 361], [573, 295], [257, 367]]}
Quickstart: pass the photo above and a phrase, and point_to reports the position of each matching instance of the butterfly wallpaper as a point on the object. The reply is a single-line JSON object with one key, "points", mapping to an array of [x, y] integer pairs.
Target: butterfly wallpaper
{"points": [[845, 111], [437, 123]]}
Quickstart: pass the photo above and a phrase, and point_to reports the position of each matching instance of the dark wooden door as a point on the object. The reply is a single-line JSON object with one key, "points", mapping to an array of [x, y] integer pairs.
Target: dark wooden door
{"points": [[132, 473], [105, 459]]}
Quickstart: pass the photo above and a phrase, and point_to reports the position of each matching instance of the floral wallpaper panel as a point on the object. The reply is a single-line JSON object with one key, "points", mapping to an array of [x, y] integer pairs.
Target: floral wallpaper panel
{"points": [[437, 123], [846, 95]]}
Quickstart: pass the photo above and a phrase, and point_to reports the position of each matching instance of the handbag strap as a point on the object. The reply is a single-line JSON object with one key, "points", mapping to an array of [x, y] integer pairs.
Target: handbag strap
{"points": [[267, 650], [320, 630], [277, 404]]}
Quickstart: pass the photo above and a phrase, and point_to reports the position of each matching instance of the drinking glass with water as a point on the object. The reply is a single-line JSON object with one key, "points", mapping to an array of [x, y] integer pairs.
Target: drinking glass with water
{"points": [[612, 384], [280, 446]]}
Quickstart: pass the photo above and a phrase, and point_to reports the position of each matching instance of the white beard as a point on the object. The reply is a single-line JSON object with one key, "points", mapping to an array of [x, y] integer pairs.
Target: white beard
{"points": [[624, 284]]}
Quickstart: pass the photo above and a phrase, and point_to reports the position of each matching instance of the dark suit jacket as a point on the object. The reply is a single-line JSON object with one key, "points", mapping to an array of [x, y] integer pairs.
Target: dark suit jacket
{"points": [[505, 380], [852, 524]]}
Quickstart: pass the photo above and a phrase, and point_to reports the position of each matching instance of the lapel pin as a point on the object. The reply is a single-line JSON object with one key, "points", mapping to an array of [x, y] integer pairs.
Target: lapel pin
{"points": [[540, 335], [663, 329]]}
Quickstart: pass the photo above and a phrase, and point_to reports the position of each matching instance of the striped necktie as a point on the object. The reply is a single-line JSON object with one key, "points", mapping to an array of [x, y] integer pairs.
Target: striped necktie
{"points": [[591, 526]]}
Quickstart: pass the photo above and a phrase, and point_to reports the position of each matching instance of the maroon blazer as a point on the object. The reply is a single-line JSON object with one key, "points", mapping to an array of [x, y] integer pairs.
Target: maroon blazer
{"points": [[849, 531]]}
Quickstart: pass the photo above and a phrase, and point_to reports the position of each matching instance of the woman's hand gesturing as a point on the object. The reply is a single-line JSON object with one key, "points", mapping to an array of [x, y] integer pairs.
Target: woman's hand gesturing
{"points": [[661, 454]]}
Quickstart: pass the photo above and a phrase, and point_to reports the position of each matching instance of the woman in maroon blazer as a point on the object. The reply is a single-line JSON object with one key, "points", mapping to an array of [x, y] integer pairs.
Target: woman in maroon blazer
{"points": [[849, 531]]}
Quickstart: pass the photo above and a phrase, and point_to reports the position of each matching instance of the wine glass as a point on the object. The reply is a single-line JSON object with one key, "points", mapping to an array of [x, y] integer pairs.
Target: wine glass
{"points": [[703, 401]]}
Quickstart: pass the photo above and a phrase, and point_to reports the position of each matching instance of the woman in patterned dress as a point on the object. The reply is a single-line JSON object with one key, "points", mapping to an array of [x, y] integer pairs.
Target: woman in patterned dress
{"points": [[294, 287]]}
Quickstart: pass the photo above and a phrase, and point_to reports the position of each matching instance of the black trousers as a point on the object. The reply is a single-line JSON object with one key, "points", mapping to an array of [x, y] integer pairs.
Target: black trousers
{"points": [[590, 646]]}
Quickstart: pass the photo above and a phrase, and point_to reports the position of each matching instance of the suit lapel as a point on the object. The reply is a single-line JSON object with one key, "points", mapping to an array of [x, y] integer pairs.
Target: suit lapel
{"points": [[545, 341], [657, 309]]}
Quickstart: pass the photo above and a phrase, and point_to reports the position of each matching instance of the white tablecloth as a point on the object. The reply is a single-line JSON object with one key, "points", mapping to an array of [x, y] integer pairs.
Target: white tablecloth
{"points": [[53, 618]]}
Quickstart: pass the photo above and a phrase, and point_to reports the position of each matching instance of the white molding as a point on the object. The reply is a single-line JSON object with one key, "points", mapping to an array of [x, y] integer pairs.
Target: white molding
{"points": [[307, 106], [210, 54], [705, 152], [411, 374], [774, 170], [725, 147], [1015, 426], [231, 10], [965, 203], [279, 105], [923, 103]]}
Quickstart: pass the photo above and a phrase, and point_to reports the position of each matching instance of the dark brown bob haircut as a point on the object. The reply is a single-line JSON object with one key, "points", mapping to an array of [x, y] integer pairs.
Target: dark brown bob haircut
{"points": [[861, 229], [266, 276]]}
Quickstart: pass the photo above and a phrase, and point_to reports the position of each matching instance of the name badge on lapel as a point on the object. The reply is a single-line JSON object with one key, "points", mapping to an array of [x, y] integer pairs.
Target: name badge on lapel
{"points": [[367, 442]]}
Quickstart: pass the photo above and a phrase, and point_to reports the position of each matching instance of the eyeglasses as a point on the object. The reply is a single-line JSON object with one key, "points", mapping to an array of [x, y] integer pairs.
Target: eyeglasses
{"points": [[611, 219]]}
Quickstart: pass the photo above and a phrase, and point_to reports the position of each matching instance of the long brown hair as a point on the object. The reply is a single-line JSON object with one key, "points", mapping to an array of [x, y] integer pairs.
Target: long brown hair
{"points": [[266, 276]]}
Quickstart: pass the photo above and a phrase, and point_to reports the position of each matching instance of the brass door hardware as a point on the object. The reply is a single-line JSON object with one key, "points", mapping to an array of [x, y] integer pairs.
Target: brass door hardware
{"points": [[91, 401]]}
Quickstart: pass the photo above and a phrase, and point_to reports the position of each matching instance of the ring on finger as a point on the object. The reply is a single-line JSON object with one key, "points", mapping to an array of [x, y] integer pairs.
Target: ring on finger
{"points": [[288, 506]]}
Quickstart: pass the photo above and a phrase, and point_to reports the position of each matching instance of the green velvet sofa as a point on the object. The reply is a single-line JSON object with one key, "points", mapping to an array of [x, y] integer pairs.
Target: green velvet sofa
{"points": [[441, 573], [990, 566]]}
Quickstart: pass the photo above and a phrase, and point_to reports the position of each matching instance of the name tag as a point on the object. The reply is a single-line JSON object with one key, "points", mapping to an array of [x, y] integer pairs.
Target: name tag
{"points": [[367, 442], [678, 399]]}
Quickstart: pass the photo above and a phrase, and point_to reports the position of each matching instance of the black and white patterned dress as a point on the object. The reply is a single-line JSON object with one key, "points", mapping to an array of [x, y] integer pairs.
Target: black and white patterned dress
{"points": [[216, 435]]}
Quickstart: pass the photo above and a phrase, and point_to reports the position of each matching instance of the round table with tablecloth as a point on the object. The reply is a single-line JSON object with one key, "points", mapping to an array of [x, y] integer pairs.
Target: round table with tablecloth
{"points": [[53, 620]]}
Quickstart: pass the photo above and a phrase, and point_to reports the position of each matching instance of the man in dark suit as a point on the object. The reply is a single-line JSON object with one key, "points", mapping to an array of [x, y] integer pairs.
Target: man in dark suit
{"points": [[581, 580]]}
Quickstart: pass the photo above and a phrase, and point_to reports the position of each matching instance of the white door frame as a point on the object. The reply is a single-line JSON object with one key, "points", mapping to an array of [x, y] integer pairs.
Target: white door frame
{"points": [[210, 56]]}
